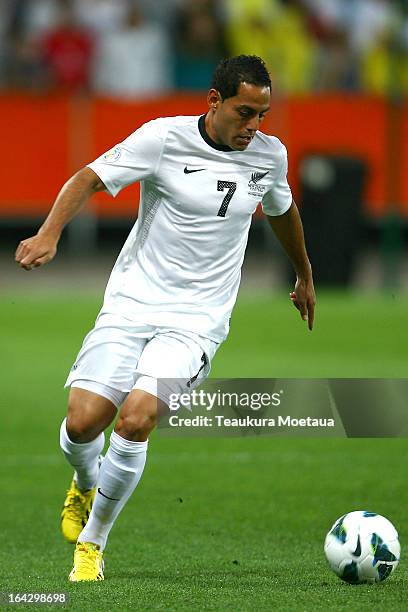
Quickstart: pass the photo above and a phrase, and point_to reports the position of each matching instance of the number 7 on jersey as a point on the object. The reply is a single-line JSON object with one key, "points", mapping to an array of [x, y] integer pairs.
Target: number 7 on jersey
{"points": [[221, 185]]}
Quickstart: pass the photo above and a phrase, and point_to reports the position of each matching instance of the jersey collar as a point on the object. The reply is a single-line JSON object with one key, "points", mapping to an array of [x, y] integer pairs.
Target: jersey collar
{"points": [[208, 140]]}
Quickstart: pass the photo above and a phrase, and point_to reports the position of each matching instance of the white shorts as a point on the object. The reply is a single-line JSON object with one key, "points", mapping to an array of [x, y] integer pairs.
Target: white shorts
{"points": [[118, 355]]}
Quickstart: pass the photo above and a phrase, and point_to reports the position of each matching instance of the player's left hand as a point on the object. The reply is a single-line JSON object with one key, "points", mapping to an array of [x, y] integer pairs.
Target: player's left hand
{"points": [[304, 299]]}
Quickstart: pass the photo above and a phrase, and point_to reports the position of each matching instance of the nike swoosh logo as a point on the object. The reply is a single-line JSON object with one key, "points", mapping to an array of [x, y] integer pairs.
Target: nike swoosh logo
{"points": [[357, 552], [103, 495], [187, 171]]}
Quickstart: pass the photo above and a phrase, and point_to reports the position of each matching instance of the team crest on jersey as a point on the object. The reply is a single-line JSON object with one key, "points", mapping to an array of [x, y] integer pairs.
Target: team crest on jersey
{"points": [[112, 155], [254, 187]]}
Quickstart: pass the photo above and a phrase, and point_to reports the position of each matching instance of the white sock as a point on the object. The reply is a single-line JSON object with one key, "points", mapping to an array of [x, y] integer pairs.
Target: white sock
{"points": [[82, 457], [118, 477]]}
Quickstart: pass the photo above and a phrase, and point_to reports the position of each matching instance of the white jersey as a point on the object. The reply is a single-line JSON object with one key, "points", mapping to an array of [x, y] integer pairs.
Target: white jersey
{"points": [[180, 266]]}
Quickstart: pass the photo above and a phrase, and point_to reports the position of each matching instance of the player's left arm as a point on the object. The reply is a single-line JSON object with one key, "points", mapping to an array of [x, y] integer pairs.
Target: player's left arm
{"points": [[289, 231]]}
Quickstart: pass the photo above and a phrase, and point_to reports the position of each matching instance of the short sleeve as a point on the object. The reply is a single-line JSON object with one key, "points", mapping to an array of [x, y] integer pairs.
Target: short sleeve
{"points": [[135, 159], [278, 199]]}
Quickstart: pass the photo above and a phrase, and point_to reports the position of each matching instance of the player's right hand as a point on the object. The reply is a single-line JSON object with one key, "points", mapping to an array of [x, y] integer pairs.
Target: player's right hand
{"points": [[36, 251]]}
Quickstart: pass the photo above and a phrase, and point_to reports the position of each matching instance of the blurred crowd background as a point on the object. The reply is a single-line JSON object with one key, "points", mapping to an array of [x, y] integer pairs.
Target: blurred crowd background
{"points": [[104, 46]]}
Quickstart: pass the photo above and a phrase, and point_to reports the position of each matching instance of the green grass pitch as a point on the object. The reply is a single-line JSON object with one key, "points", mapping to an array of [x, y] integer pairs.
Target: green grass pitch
{"points": [[216, 524]]}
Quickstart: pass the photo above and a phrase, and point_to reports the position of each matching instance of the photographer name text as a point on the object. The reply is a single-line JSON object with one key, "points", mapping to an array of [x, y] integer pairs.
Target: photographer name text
{"points": [[248, 421]]}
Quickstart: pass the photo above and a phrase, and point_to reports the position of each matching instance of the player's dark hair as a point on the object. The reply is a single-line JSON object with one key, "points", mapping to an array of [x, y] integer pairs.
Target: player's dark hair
{"points": [[231, 72]]}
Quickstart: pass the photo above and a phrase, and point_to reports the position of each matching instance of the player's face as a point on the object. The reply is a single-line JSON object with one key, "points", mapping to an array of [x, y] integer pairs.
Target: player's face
{"points": [[236, 120]]}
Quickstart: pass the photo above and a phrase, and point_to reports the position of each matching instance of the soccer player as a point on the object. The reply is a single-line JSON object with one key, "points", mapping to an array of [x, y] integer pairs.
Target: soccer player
{"points": [[171, 292]]}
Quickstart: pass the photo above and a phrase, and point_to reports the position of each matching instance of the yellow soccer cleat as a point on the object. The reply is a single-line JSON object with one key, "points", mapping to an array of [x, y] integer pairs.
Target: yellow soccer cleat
{"points": [[75, 512], [88, 563]]}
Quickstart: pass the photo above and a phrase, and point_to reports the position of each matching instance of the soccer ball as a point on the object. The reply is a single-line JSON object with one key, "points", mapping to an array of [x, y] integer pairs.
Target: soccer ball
{"points": [[362, 547]]}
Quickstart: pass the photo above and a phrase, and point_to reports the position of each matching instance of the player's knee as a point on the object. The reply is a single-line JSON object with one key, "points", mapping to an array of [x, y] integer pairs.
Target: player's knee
{"points": [[78, 430], [80, 427], [136, 425]]}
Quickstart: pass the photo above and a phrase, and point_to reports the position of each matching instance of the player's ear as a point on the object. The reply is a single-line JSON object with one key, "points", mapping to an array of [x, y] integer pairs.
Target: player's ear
{"points": [[213, 98]]}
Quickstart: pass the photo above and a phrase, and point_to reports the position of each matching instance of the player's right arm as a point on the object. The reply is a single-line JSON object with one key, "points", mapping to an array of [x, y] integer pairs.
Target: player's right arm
{"points": [[41, 248], [135, 159]]}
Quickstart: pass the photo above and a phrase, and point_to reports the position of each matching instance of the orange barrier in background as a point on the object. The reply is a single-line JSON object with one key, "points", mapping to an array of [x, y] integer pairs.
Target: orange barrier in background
{"points": [[346, 126], [34, 153], [403, 161], [46, 139]]}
